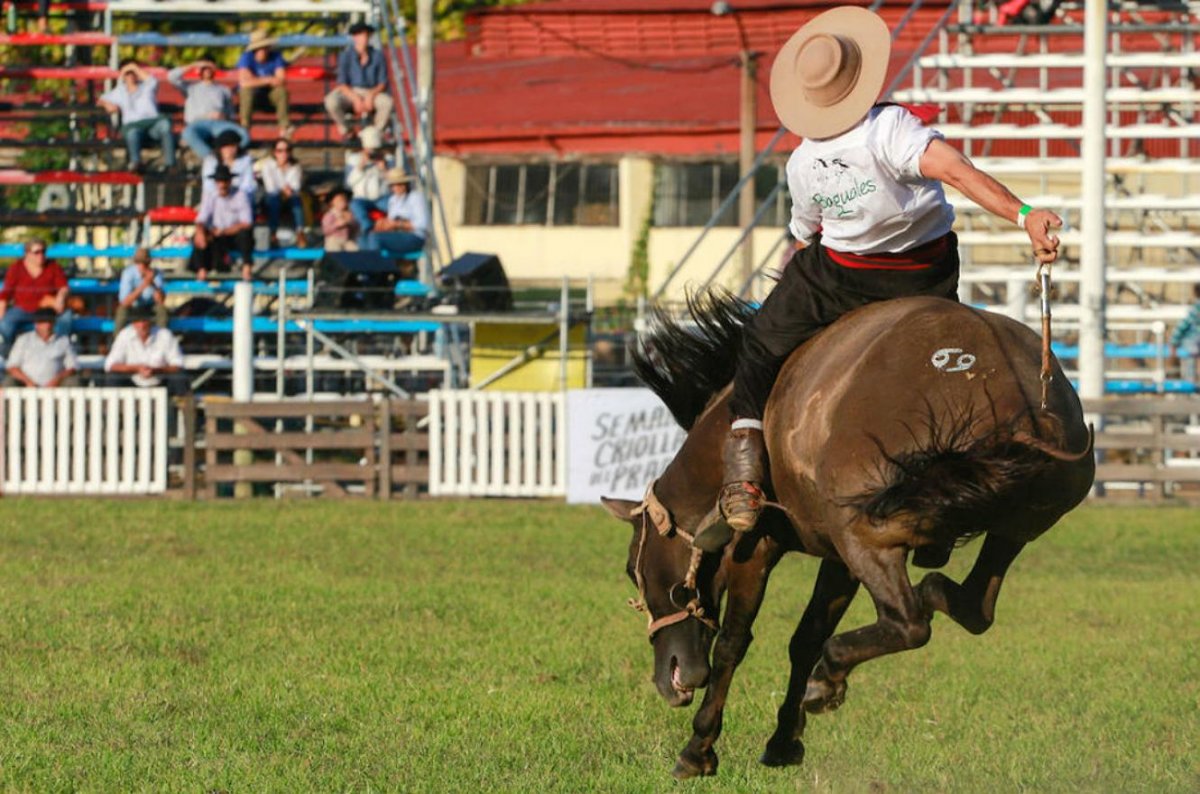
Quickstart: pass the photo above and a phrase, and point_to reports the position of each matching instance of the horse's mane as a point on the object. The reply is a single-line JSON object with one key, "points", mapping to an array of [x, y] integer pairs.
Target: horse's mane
{"points": [[686, 363]]}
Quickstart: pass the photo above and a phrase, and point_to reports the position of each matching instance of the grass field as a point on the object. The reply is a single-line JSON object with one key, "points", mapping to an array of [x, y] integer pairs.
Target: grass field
{"points": [[485, 646]]}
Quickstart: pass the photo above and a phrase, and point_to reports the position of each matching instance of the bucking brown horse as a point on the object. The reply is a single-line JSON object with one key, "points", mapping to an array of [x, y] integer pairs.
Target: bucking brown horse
{"points": [[907, 427]]}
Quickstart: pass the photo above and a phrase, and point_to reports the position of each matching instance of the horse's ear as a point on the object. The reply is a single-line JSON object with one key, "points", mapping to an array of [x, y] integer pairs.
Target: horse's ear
{"points": [[619, 508]]}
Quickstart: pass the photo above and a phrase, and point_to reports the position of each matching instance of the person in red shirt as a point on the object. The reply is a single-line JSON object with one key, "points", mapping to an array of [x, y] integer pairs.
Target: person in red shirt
{"points": [[30, 284]]}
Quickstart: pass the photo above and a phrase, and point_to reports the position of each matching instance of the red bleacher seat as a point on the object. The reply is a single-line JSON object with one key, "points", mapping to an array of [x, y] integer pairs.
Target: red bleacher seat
{"points": [[63, 39], [171, 215], [101, 73]]}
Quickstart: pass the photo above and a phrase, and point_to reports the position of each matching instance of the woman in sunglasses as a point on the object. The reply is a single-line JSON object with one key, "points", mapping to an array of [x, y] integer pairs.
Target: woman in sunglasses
{"points": [[282, 178]]}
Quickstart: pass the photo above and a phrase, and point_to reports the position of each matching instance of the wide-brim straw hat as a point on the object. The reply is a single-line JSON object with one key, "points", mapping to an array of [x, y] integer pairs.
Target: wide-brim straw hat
{"points": [[260, 38], [398, 176], [830, 72]]}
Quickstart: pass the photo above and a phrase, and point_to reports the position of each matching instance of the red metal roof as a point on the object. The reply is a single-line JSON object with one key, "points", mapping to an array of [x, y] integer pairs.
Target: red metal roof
{"points": [[610, 76]]}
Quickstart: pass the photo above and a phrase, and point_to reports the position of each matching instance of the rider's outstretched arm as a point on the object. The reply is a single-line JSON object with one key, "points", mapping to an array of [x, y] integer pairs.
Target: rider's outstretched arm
{"points": [[943, 162]]}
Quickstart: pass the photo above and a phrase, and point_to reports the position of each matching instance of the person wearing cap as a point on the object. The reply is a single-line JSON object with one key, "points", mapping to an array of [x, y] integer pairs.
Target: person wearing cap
{"points": [[282, 179], [261, 71], [366, 176], [868, 207], [145, 355], [362, 84], [240, 165], [224, 223], [207, 108], [32, 282], [135, 98], [407, 223], [338, 226], [141, 286], [41, 358]]}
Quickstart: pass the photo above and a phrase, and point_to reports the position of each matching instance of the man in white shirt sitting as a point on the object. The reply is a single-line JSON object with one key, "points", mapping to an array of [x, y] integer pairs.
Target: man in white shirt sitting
{"points": [[145, 355], [41, 358]]}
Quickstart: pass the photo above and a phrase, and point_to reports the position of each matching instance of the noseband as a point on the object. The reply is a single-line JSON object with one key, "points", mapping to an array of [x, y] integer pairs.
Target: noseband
{"points": [[653, 512]]}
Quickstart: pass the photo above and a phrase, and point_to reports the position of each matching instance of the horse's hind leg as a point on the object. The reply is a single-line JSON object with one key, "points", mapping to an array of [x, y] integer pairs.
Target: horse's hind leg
{"points": [[832, 594], [901, 620], [972, 604]]}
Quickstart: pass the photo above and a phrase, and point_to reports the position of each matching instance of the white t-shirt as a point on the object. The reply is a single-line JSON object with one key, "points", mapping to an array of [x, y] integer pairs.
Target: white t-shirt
{"points": [[864, 188]]}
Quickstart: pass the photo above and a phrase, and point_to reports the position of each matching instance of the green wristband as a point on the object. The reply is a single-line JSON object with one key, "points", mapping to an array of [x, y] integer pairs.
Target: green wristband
{"points": [[1021, 213]]}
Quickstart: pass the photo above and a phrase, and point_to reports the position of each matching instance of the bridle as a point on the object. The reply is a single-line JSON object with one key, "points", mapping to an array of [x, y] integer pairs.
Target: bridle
{"points": [[653, 513]]}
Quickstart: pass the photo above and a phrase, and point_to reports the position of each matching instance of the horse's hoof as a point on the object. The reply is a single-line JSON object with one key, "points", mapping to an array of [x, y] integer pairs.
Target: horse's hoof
{"points": [[823, 695], [687, 768], [789, 753]]}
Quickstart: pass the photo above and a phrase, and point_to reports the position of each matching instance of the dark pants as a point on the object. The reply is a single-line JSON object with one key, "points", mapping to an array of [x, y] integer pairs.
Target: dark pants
{"points": [[265, 98], [177, 384], [812, 293], [214, 255]]}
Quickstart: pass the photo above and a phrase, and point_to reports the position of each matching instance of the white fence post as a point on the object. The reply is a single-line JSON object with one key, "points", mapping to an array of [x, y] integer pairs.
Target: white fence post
{"points": [[497, 443], [84, 441]]}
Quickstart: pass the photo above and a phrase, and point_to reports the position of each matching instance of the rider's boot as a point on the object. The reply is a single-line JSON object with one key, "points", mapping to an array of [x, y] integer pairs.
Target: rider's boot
{"points": [[742, 495], [741, 498]]}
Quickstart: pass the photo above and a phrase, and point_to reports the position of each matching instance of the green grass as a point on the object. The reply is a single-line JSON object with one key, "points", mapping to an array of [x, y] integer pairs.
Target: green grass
{"points": [[485, 646]]}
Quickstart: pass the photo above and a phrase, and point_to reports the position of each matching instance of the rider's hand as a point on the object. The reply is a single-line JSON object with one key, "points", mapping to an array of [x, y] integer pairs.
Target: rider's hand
{"points": [[1038, 224]]}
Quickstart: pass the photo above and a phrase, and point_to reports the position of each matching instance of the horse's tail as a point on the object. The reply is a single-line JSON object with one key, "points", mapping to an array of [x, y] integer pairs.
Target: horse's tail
{"points": [[950, 485]]}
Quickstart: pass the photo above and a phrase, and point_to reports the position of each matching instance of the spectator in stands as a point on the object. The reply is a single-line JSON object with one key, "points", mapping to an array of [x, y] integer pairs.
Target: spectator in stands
{"points": [[41, 358], [366, 176], [43, 16], [338, 224], [282, 179], [224, 223], [135, 98], [261, 72], [240, 165], [141, 287], [145, 355], [32, 283], [361, 84], [1186, 340], [407, 223], [207, 109]]}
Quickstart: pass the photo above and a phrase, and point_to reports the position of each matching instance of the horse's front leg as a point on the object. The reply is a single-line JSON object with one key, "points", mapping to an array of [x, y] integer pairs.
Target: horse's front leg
{"points": [[901, 622], [972, 604], [746, 582], [831, 596]]}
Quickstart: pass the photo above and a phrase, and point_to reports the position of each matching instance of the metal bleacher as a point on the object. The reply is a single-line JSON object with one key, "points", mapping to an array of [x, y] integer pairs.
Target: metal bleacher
{"points": [[110, 210], [1012, 99]]}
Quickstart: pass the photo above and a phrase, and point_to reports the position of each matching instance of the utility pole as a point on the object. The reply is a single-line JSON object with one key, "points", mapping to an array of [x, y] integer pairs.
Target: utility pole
{"points": [[425, 38], [1092, 264], [747, 150]]}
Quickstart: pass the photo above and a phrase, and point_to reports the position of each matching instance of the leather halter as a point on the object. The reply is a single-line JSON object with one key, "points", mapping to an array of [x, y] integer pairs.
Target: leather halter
{"points": [[653, 512]]}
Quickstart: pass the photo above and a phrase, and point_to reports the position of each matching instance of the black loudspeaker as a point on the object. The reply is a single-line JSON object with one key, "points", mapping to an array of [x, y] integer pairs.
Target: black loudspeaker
{"points": [[478, 283], [356, 280]]}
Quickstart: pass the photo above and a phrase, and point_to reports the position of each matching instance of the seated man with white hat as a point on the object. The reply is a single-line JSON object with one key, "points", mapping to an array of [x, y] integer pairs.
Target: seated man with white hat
{"points": [[261, 71], [868, 209], [407, 223]]}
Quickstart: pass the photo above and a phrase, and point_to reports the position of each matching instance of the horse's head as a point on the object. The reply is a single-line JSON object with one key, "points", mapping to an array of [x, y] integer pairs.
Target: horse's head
{"points": [[682, 618]]}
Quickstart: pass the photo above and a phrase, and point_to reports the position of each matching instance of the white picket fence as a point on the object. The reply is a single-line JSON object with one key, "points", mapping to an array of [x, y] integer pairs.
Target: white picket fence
{"points": [[84, 441], [497, 443]]}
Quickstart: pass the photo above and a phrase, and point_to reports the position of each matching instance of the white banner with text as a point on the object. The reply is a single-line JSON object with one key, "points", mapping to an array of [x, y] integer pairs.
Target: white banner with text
{"points": [[618, 440]]}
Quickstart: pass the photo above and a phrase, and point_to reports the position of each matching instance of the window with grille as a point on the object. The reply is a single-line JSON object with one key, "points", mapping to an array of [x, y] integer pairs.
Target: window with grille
{"points": [[687, 194], [542, 194]]}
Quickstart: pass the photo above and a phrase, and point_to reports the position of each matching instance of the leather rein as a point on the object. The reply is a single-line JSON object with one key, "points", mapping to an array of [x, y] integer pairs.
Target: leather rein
{"points": [[653, 513]]}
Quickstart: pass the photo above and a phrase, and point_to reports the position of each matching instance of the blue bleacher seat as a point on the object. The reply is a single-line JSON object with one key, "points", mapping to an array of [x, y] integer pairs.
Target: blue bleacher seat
{"points": [[295, 286], [267, 325]]}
